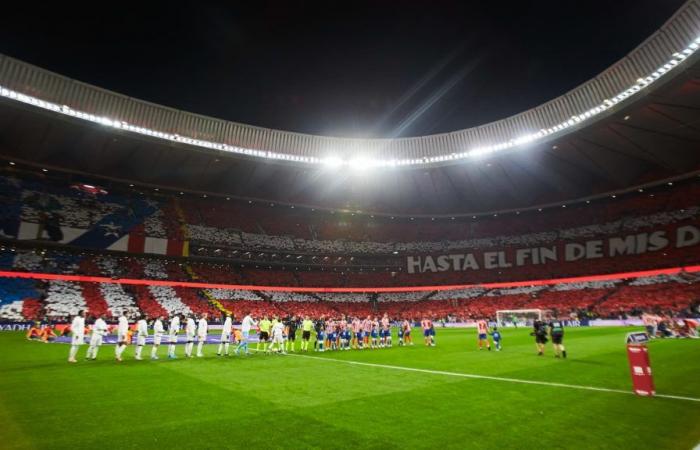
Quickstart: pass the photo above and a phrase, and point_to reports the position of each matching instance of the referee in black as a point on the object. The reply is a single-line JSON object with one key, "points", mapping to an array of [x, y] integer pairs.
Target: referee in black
{"points": [[292, 325], [539, 330], [556, 332]]}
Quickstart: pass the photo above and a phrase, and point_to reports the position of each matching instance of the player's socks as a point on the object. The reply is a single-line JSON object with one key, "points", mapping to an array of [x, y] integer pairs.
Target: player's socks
{"points": [[200, 345], [154, 352], [226, 345], [138, 352], [563, 353], [73, 352]]}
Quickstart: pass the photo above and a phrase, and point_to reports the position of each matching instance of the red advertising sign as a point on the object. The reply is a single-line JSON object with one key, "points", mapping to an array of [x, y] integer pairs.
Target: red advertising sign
{"points": [[640, 369]]}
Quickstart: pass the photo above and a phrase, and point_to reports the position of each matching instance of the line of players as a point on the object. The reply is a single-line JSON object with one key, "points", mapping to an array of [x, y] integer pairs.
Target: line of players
{"points": [[336, 334], [274, 335]]}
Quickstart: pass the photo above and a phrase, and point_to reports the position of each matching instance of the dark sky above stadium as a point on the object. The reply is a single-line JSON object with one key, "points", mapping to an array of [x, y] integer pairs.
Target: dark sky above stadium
{"points": [[349, 68]]}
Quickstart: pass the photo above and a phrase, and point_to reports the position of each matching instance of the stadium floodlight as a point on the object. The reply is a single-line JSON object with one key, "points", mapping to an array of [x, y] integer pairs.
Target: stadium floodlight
{"points": [[332, 161], [363, 163]]}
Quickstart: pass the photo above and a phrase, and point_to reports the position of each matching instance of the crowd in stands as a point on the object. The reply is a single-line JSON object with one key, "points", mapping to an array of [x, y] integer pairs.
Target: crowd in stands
{"points": [[58, 299], [221, 232], [213, 222]]}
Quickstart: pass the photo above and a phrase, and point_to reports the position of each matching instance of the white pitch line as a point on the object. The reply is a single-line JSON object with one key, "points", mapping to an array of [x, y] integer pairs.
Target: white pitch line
{"points": [[488, 377]]}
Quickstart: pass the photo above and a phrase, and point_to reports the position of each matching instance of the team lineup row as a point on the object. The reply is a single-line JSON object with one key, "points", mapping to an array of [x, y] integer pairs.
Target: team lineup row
{"points": [[274, 335]]}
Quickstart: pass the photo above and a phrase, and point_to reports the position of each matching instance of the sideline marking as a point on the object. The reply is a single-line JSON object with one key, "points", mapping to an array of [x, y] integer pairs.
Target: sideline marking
{"points": [[493, 378]]}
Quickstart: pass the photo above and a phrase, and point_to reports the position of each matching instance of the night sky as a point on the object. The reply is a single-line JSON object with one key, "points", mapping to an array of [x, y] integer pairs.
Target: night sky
{"points": [[348, 68]]}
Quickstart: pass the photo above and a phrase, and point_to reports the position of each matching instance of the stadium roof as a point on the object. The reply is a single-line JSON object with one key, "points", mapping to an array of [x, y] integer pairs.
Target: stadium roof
{"points": [[630, 126]]}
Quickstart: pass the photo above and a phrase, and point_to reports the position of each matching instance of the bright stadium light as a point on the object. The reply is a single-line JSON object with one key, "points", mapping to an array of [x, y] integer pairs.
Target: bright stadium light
{"points": [[363, 163], [332, 162]]}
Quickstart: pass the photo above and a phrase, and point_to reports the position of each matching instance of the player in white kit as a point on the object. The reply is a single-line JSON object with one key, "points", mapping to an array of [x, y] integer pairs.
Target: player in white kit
{"points": [[247, 323], [202, 328], [141, 335], [190, 332], [122, 332], [277, 338], [172, 335], [77, 329], [158, 332], [99, 329], [226, 330]]}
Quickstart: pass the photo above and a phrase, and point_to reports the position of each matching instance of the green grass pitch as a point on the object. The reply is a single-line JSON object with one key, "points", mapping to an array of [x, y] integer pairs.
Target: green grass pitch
{"points": [[274, 401]]}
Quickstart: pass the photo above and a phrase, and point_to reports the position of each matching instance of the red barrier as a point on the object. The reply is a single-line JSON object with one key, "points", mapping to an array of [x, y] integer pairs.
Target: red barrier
{"points": [[640, 369], [198, 285]]}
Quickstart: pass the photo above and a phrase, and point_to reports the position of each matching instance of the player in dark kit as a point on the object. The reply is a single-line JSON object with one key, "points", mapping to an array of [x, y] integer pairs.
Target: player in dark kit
{"points": [[556, 332], [291, 325], [319, 327], [540, 333]]}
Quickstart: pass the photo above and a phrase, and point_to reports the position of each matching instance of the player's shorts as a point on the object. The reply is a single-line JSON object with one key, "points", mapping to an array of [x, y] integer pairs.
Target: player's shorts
{"points": [[331, 336], [278, 339], [320, 337], [432, 331], [306, 335], [157, 338], [292, 336], [264, 336], [407, 332], [426, 332], [172, 338], [244, 336], [140, 340], [400, 333], [557, 338], [190, 338], [482, 336], [201, 338], [77, 340], [541, 339], [373, 334], [225, 336], [122, 338], [359, 335], [95, 340]]}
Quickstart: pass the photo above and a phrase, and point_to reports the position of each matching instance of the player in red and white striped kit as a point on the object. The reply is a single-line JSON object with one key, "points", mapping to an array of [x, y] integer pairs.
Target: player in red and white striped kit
{"points": [[482, 330]]}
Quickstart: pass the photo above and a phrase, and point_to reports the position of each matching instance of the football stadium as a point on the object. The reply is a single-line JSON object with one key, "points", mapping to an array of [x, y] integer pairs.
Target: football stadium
{"points": [[175, 279]]}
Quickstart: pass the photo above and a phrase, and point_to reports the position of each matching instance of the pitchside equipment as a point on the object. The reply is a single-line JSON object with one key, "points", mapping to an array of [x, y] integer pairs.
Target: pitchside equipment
{"points": [[640, 366], [521, 317]]}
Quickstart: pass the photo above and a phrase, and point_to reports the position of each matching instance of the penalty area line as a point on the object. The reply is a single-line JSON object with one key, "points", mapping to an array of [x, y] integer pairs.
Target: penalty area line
{"points": [[489, 377]]}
